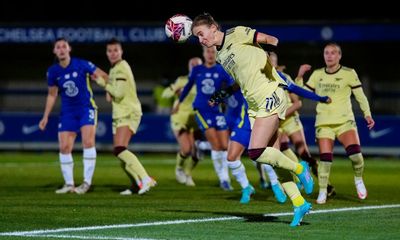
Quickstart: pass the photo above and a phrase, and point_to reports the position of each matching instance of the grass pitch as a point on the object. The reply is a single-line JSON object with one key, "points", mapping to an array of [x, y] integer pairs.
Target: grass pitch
{"points": [[29, 208]]}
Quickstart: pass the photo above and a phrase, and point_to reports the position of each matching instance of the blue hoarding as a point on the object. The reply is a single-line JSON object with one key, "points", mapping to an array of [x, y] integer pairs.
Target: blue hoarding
{"points": [[156, 33], [20, 129]]}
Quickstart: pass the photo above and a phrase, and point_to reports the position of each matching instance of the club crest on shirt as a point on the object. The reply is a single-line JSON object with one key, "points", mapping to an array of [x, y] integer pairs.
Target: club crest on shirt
{"points": [[229, 62]]}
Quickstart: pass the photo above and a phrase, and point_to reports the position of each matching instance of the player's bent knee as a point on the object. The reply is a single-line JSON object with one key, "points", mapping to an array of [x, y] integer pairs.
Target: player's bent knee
{"points": [[118, 150], [353, 149], [255, 153]]}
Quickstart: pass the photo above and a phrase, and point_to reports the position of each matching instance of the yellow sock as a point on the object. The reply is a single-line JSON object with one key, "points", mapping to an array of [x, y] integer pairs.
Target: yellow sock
{"points": [[290, 154], [299, 168], [324, 169], [298, 201], [276, 158], [189, 166], [180, 160], [294, 194], [133, 165], [357, 161], [132, 176]]}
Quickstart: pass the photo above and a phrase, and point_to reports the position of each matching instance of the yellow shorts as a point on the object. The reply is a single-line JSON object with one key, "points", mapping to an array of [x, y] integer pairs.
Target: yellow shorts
{"points": [[334, 130], [291, 125], [132, 121], [183, 121], [276, 103]]}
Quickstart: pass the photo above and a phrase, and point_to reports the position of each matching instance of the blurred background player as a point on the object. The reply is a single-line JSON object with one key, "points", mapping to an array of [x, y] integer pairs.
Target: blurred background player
{"points": [[209, 77], [336, 120], [292, 129], [126, 115], [183, 125], [69, 76], [242, 57], [163, 104]]}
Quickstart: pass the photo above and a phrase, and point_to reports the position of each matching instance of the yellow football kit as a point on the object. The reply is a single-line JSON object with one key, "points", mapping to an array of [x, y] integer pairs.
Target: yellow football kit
{"points": [[126, 107], [248, 64], [184, 118], [338, 115], [292, 123]]}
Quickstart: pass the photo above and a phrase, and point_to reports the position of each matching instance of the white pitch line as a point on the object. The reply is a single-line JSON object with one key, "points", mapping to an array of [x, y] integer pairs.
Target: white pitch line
{"points": [[336, 210], [89, 237], [38, 233]]}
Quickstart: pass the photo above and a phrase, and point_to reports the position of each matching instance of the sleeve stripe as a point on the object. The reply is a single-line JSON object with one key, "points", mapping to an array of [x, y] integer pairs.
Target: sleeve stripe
{"points": [[356, 86], [255, 37], [120, 79], [313, 89]]}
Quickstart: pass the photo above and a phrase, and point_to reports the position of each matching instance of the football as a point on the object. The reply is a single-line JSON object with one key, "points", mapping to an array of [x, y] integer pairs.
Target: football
{"points": [[178, 28]]}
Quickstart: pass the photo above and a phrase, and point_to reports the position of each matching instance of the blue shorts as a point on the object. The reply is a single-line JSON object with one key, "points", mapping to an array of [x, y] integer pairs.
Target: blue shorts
{"points": [[210, 119], [72, 121], [240, 131]]}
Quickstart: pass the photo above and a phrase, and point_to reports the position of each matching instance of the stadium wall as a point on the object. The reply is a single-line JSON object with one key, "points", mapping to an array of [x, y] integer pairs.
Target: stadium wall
{"points": [[20, 131]]}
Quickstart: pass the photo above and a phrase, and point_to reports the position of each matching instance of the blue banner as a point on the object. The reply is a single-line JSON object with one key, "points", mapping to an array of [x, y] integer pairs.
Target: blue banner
{"points": [[384, 134], [21, 129], [156, 33], [82, 34]]}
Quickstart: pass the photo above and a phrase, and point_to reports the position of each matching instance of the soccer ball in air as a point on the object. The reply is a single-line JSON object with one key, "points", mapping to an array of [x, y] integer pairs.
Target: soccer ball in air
{"points": [[178, 28]]}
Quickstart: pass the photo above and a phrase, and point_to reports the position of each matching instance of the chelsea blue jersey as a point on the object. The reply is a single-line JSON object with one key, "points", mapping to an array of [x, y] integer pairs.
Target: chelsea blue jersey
{"points": [[207, 81], [237, 108], [73, 84]]}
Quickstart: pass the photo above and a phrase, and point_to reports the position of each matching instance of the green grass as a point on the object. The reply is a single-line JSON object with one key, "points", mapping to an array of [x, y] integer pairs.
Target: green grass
{"points": [[28, 202]]}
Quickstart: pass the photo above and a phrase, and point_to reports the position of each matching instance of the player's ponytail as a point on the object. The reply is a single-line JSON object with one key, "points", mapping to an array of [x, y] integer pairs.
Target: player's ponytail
{"points": [[204, 19]]}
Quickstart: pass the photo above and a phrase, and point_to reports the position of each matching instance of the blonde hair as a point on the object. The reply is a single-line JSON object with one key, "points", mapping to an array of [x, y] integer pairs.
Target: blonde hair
{"points": [[333, 44]]}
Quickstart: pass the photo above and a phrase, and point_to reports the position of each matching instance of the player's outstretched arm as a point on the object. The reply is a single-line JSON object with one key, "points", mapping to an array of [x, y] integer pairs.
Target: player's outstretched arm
{"points": [[100, 77], [169, 91], [266, 39], [292, 87]]}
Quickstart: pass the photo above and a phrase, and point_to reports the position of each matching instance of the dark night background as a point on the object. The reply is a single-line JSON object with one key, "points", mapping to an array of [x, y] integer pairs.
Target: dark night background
{"points": [[375, 62], [133, 11]]}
